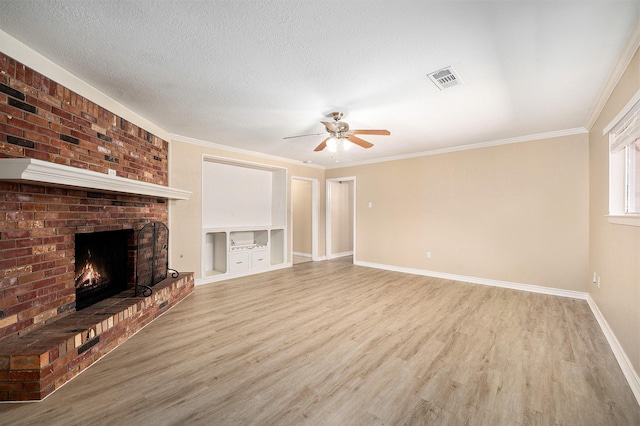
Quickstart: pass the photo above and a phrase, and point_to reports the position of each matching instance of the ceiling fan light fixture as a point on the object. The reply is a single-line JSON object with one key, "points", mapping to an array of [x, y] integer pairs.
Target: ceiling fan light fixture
{"points": [[340, 137], [332, 145], [336, 144]]}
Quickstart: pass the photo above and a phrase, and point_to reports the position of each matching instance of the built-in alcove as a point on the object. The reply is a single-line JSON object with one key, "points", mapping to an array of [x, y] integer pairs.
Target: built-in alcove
{"points": [[243, 218]]}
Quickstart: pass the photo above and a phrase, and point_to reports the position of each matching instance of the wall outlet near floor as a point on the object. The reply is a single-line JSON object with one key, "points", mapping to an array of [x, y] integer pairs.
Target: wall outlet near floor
{"points": [[428, 255]]}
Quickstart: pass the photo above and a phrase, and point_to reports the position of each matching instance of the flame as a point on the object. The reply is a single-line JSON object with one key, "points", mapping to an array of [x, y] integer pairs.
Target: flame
{"points": [[89, 274]]}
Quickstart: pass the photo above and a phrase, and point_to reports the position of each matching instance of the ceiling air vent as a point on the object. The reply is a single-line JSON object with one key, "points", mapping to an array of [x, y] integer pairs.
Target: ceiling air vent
{"points": [[445, 78]]}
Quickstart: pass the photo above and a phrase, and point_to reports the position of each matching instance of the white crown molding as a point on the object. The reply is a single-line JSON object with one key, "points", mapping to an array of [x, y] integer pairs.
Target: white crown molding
{"points": [[227, 148], [629, 50], [624, 362], [29, 170], [508, 141], [29, 57], [475, 280]]}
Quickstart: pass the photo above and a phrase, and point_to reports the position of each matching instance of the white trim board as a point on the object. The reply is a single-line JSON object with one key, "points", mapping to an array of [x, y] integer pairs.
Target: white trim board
{"points": [[487, 144], [300, 254], [483, 281], [243, 151], [622, 358], [341, 254], [619, 69]]}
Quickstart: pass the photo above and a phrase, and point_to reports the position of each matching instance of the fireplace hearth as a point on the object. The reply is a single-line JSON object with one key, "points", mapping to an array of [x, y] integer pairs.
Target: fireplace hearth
{"points": [[102, 265]]}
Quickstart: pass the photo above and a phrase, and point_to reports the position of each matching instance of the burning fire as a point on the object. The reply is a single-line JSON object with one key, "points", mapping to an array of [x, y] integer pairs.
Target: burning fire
{"points": [[89, 274]]}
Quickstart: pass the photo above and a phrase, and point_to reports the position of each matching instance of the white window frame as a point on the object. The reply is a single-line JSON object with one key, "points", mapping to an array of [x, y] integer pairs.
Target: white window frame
{"points": [[618, 167]]}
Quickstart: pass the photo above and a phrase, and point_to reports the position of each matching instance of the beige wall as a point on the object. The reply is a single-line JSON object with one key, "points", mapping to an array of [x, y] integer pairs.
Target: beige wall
{"points": [[302, 193], [614, 249], [516, 213], [185, 216]]}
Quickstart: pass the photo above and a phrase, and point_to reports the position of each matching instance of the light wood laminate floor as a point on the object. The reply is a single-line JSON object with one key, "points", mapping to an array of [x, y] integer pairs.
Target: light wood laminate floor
{"points": [[330, 343]]}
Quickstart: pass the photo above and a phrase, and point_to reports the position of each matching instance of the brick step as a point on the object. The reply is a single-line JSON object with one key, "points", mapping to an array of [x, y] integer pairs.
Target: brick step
{"points": [[36, 364]]}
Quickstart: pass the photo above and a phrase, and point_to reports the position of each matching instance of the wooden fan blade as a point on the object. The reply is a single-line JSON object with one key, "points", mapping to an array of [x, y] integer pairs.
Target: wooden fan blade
{"points": [[330, 126], [360, 142], [371, 132], [310, 134], [323, 145]]}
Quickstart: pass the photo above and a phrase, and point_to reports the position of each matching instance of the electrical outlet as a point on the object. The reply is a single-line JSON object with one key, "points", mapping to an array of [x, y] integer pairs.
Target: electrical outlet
{"points": [[428, 255], [595, 277], [598, 282]]}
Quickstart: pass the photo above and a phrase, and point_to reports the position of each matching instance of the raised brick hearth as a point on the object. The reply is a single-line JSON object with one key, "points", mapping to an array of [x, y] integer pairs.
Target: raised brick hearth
{"points": [[34, 365], [43, 340]]}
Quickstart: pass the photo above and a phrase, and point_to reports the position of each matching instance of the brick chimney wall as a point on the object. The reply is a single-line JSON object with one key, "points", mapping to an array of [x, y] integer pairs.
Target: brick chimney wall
{"points": [[41, 119]]}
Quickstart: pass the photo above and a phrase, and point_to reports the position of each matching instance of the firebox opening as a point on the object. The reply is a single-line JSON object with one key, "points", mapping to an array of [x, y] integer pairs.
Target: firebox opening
{"points": [[102, 266]]}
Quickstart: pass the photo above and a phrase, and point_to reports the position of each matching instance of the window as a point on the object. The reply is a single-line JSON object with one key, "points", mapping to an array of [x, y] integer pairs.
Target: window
{"points": [[624, 164]]}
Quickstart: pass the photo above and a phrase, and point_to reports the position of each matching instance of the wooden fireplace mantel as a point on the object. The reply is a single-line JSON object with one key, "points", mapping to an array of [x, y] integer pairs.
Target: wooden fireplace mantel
{"points": [[30, 170]]}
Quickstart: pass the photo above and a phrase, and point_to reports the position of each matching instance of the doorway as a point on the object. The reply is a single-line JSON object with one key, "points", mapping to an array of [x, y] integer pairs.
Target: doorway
{"points": [[341, 209], [304, 218]]}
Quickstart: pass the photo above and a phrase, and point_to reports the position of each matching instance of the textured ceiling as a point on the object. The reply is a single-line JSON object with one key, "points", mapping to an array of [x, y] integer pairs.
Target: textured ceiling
{"points": [[248, 73]]}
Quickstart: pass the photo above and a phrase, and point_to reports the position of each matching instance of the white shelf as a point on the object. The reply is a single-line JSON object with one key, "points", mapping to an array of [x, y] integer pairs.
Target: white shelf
{"points": [[37, 171], [233, 251]]}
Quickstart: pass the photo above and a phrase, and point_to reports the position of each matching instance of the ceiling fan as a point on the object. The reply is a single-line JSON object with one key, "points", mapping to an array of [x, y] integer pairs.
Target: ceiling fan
{"points": [[339, 130]]}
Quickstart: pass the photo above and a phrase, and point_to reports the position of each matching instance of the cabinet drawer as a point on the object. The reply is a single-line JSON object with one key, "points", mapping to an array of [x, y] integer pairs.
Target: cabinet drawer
{"points": [[260, 259], [238, 261]]}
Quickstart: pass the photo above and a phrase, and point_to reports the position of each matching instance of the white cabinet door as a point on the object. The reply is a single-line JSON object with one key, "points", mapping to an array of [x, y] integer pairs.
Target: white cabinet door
{"points": [[259, 259], [238, 261]]}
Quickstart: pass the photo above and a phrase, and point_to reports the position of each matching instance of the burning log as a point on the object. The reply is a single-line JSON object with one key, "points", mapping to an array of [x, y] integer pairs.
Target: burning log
{"points": [[89, 275]]}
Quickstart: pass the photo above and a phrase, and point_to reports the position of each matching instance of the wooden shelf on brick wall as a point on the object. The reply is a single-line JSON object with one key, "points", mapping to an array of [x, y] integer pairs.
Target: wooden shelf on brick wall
{"points": [[30, 170]]}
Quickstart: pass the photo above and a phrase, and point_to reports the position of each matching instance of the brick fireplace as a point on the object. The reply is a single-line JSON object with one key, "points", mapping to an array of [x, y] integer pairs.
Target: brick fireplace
{"points": [[39, 221], [37, 245]]}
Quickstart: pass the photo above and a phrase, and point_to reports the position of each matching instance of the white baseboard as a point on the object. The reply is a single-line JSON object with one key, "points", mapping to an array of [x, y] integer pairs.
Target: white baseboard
{"points": [[342, 254], [483, 281], [309, 255], [624, 362], [297, 253]]}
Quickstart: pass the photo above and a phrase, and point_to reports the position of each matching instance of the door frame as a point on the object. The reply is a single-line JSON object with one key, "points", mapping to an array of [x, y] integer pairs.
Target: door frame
{"points": [[314, 216], [328, 213]]}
